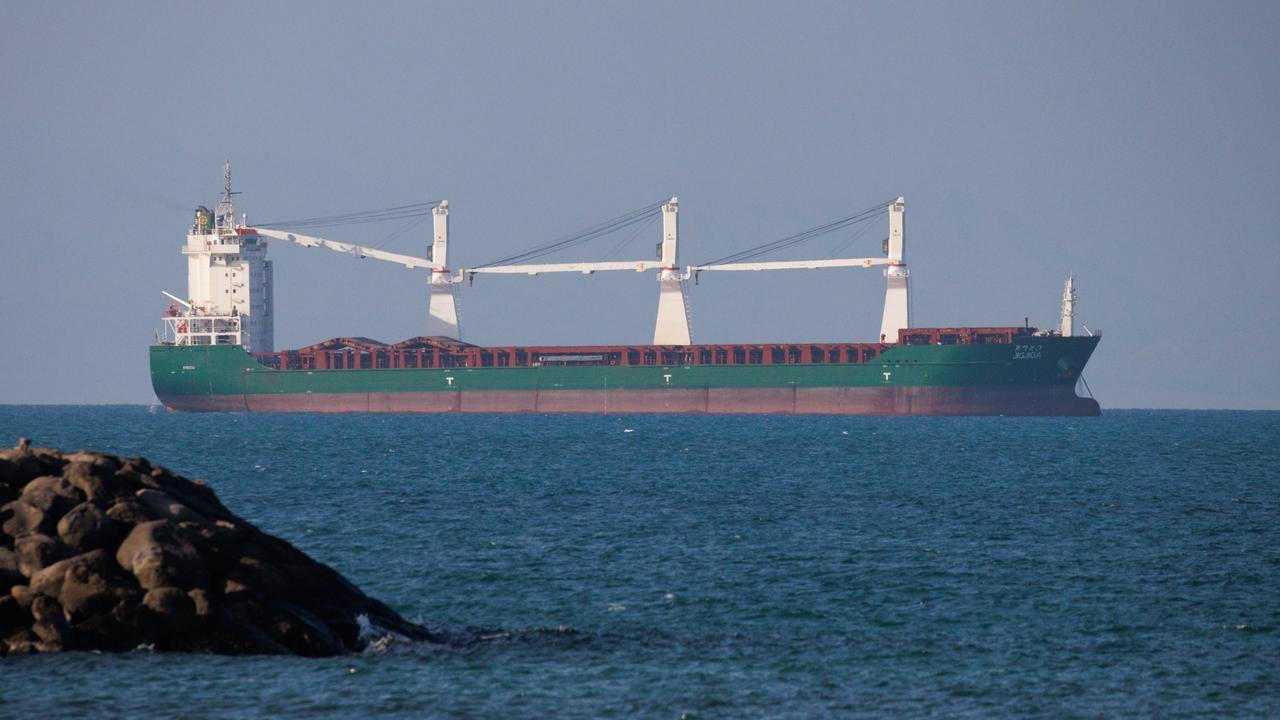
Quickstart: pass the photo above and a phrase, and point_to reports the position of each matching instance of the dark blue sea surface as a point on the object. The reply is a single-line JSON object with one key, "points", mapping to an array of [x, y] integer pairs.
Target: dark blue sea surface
{"points": [[728, 567]]}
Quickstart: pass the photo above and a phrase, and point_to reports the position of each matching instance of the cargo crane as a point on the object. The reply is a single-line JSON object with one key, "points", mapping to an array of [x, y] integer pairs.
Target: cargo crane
{"points": [[672, 326], [897, 309], [673, 321], [442, 306]]}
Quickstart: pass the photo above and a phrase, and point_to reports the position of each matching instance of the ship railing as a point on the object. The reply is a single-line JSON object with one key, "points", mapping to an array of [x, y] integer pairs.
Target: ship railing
{"points": [[197, 329]]}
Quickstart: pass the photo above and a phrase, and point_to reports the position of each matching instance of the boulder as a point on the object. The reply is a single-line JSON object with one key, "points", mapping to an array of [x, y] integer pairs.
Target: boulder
{"points": [[109, 553], [302, 632], [36, 552], [20, 642], [86, 527], [52, 495], [195, 494], [84, 477], [200, 602], [19, 518], [49, 580], [24, 595], [251, 572], [22, 464], [128, 512], [161, 505], [125, 482], [173, 609], [85, 585], [54, 636], [101, 463], [159, 554], [123, 628], [45, 608]]}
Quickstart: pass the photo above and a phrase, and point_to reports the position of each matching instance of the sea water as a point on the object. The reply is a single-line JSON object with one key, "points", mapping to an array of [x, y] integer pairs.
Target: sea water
{"points": [[727, 567]]}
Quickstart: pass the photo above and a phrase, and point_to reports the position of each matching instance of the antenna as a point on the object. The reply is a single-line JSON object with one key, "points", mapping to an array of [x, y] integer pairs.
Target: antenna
{"points": [[226, 219]]}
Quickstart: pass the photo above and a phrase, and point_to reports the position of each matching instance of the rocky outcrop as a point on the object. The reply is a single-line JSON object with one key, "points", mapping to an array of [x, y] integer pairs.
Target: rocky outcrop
{"points": [[99, 552]]}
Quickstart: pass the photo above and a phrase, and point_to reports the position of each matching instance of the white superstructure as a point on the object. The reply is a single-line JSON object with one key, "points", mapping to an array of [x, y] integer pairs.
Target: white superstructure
{"points": [[229, 296]]}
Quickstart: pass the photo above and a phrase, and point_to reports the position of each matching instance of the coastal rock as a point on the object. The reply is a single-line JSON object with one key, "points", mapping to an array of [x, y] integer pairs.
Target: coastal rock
{"points": [[24, 595], [22, 464], [82, 476], [159, 554], [87, 526], [20, 642], [52, 495], [46, 609], [19, 518], [36, 552], [174, 610], [109, 553], [128, 512], [161, 505], [200, 602], [85, 585]]}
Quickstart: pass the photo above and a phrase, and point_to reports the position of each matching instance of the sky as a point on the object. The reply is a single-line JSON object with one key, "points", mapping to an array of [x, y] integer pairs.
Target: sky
{"points": [[1134, 144]]}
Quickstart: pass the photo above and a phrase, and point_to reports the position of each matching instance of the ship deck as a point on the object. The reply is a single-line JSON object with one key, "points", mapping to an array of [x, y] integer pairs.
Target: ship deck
{"points": [[359, 353]]}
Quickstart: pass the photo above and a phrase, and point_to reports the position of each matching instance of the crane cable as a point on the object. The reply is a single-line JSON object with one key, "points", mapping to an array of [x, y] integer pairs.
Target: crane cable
{"points": [[400, 212], [803, 236], [582, 236]]}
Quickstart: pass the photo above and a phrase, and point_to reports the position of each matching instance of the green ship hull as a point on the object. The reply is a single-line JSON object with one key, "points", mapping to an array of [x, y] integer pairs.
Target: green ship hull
{"points": [[1034, 375]]}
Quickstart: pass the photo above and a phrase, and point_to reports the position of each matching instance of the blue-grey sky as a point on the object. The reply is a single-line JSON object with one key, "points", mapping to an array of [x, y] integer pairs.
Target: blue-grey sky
{"points": [[1134, 144]]}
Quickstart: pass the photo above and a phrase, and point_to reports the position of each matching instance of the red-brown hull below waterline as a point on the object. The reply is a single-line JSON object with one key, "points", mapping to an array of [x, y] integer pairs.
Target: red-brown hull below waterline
{"points": [[928, 400]]}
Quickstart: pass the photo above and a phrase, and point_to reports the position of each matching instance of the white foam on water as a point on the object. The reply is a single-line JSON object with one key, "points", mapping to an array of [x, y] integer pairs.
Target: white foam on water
{"points": [[376, 639]]}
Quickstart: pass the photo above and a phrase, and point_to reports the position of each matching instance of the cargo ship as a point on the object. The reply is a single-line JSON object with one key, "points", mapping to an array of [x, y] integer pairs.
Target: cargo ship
{"points": [[215, 350]]}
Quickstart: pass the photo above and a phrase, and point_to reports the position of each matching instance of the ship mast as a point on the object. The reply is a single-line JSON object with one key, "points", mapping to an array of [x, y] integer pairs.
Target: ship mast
{"points": [[672, 327], [226, 216], [442, 306], [897, 296]]}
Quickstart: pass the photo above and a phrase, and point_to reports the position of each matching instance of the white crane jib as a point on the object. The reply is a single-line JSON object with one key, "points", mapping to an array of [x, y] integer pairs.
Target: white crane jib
{"points": [[672, 326], [360, 251], [442, 314]]}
